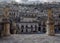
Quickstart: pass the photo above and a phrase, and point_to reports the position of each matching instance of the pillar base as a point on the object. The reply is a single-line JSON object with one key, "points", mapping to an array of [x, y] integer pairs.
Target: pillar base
{"points": [[50, 34], [6, 35], [6, 31], [50, 28], [3, 35]]}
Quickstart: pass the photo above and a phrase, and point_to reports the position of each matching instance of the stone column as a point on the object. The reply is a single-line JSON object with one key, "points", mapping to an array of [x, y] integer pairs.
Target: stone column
{"points": [[33, 28], [24, 30], [50, 28], [6, 29], [41, 29], [19, 31], [50, 24], [6, 22], [36, 28]]}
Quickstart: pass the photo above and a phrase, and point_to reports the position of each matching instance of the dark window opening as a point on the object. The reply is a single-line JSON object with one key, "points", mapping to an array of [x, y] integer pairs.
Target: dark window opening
{"points": [[22, 27], [39, 29], [22, 30], [41, 10], [44, 30]]}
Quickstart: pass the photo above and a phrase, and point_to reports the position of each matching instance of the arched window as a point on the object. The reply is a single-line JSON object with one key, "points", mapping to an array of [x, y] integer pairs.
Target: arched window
{"points": [[22, 27], [26, 26], [39, 28], [31, 26]]}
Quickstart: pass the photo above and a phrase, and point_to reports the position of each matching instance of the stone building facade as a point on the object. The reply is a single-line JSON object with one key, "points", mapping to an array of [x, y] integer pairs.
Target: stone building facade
{"points": [[32, 18]]}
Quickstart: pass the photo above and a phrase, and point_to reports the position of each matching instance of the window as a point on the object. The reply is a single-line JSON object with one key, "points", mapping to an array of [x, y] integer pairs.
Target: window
{"points": [[39, 29], [22, 27]]}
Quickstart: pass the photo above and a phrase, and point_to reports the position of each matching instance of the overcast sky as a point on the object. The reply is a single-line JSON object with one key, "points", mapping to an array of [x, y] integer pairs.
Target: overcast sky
{"points": [[37, 0], [31, 0]]}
